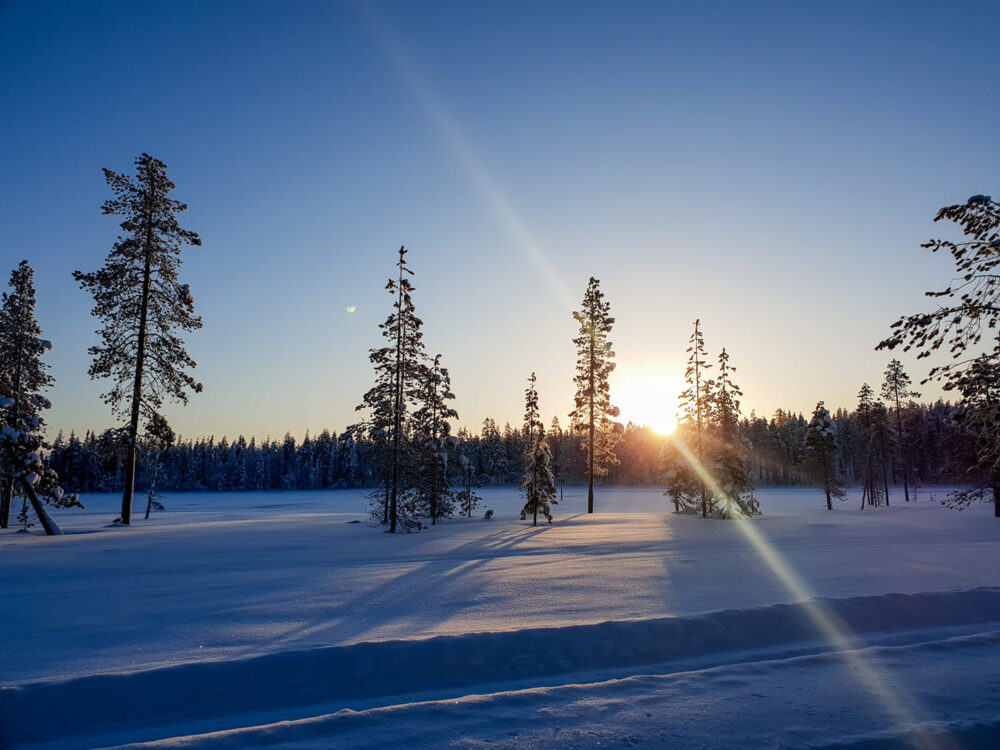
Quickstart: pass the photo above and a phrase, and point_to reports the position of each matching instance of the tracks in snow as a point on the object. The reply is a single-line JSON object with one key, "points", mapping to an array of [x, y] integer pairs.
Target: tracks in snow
{"points": [[215, 696]]}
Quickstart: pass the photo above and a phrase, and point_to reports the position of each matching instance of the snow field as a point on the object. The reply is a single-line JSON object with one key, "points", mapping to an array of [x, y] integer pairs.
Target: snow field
{"points": [[237, 611]]}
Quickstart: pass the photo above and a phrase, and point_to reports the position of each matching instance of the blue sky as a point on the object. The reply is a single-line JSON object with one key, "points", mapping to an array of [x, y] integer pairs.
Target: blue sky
{"points": [[768, 167]]}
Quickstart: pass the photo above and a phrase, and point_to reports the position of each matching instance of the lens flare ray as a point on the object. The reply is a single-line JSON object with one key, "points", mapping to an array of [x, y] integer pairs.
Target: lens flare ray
{"points": [[901, 710]]}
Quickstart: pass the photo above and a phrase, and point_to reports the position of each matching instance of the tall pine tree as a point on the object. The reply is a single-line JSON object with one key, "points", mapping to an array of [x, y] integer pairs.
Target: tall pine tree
{"points": [[822, 442], [896, 387], [729, 447], [398, 377], [142, 305], [695, 402], [433, 443], [593, 409], [538, 482], [23, 378], [966, 318]]}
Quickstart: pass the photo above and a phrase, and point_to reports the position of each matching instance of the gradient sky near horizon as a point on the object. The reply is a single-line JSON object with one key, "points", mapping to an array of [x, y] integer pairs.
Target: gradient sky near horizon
{"points": [[770, 168]]}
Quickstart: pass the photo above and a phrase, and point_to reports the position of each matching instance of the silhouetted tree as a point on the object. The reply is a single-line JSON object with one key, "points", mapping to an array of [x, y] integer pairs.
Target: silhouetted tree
{"points": [[434, 444], [896, 387], [23, 378], [694, 402], [822, 442], [593, 409], [398, 367], [142, 305], [969, 311], [729, 448]]}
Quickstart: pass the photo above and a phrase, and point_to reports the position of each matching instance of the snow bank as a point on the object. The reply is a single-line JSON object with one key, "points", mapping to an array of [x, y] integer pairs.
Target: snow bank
{"points": [[368, 671]]}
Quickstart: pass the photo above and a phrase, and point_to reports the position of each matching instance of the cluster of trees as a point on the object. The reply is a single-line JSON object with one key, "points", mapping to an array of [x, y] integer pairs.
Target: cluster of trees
{"points": [[404, 447], [411, 453]]}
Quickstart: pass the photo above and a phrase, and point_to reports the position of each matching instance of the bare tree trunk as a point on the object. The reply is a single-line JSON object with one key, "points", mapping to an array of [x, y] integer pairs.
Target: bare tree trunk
{"points": [[590, 457], [385, 505], [903, 452], [140, 360], [6, 500], [50, 526]]}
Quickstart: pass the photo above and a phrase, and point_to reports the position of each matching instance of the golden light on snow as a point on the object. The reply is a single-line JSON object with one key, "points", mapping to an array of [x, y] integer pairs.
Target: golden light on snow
{"points": [[351, 308], [895, 703], [647, 397]]}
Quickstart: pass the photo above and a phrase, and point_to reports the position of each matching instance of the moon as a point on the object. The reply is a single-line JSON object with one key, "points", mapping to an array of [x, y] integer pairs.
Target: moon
{"points": [[351, 308]]}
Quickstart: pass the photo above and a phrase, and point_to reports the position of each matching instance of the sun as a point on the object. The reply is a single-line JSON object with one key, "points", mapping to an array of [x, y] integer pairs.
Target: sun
{"points": [[648, 397]]}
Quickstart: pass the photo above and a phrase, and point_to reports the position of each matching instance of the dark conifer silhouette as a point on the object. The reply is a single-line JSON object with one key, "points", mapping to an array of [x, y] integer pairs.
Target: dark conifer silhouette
{"points": [[967, 316], [593, 409], [822, 442], [142, 305], [896, 387], [23, 378]]}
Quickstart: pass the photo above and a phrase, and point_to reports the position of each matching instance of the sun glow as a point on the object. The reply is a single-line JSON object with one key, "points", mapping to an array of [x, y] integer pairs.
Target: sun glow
{"points": [[648, 398]]}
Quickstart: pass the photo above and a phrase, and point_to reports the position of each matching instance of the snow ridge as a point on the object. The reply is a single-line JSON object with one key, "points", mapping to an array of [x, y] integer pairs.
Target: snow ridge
{"points": [[345, 675]]}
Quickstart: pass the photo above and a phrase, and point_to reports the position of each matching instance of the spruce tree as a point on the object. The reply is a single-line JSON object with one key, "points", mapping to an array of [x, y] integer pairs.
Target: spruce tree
{"points": [[538, 483], [466, 498], [23, 378], [895, 387], [532, 423], [729, 447], [867, 417], [433, 442], [142, 305], [398, 367], [694, 402], [822, 442], [966, 320], [158, 438], [593, 409]]}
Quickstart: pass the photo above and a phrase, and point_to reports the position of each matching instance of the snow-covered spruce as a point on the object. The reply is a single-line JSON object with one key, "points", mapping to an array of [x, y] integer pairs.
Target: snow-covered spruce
{"points": [[23, 377]]}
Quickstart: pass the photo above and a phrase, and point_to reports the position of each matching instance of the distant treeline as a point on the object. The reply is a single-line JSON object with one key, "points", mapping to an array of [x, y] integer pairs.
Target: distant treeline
{"points": [[938, 449]]}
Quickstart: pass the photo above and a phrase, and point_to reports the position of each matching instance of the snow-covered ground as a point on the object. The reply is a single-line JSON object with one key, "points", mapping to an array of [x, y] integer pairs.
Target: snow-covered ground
{"points": [[247, 619]]}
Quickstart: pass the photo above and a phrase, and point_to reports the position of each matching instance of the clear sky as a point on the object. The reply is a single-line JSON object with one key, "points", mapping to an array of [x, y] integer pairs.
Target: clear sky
{"points": [[768, 167]]}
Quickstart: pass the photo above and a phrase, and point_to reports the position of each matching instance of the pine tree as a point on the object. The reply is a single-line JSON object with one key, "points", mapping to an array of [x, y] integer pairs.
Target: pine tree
{"points": [[694, 402], [867, 417], [822, 442], [434, 444], [593, 409], [979, 385], [142, 305], [538, 483], [729, 447], [466, 498], [397, 384], [532, 423], [23, 378], [896, 386], [971, 310], [159, 437]]}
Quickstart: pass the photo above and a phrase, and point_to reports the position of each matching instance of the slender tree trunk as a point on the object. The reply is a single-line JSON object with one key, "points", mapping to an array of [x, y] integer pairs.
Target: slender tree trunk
{"points": [[50, 526], [590, 456], [885, 475], [902, 450], [385, 505], [400, 333], [140, 361], [996, 500], [7, 499]]}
